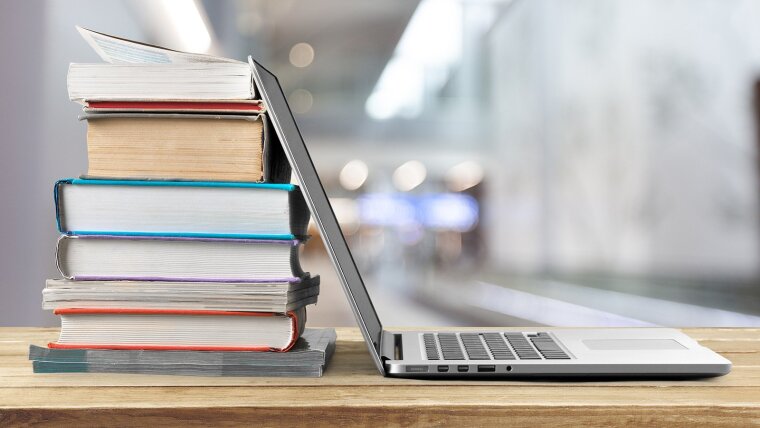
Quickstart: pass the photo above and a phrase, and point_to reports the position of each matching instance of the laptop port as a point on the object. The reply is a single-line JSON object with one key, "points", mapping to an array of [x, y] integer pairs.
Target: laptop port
{"points": [[463, 368], [509, 368], [416, 369], [488, 368], [443, 369]]}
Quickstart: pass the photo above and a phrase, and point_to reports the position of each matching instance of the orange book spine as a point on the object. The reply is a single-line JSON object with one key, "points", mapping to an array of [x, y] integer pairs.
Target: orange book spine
{"points": [[94, 311]]}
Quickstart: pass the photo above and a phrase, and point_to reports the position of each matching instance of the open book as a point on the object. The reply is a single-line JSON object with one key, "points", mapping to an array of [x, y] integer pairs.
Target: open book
{"points": [[138, 71]]}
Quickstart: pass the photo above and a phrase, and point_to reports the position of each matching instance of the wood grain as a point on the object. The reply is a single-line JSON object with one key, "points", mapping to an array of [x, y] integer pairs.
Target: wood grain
{"points": [[352, 392]]}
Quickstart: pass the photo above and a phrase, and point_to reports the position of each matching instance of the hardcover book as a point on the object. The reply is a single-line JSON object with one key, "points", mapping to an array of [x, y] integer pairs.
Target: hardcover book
{"points": [[184, 208], [156, 258], [192, 330], [164, 145]]}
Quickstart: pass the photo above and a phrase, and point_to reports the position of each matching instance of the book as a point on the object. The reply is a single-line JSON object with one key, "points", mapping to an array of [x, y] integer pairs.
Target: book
{"points": [[211, 147], [137, 71], [308, 357], [263, 296], [194, 330], [116, 50], [197, 81], [184, 208], [313, 348], [181, 369], [189, 107], [157, 258]]}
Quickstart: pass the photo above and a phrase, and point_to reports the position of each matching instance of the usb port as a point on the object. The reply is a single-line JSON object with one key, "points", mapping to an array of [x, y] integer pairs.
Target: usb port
{"points": [[443, 369], [486, 368], [463, 368]]}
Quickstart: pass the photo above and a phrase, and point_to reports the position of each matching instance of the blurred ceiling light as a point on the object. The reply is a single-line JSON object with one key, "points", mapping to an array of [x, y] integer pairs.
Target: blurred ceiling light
{"points": [[353, 175], [430, 45], [449, 211], [399, 77], [409, 175], [188, 22], [301, 101], [387, 209], [301, 55], [463, 176]]}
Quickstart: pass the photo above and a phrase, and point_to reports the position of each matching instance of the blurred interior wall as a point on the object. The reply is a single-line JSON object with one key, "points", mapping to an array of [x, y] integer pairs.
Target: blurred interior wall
{"points": [[22, 212], [626, 137], [42, 140]]}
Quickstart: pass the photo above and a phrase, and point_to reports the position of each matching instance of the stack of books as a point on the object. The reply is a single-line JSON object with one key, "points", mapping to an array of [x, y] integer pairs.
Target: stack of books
{"points": [[179, 247]]}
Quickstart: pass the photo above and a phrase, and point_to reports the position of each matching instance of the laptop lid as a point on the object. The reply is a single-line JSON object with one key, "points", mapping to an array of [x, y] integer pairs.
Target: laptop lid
{"points": [[292, 142]]}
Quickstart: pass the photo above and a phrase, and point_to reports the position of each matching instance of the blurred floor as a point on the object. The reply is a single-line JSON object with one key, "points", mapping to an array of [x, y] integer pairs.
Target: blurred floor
{"points": [[394, 308], [499, 300]]}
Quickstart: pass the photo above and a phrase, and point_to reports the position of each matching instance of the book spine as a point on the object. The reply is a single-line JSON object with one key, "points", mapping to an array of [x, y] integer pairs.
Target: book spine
{"points": [[57, 201], [299, 213], [277, 169], [59, 250]]}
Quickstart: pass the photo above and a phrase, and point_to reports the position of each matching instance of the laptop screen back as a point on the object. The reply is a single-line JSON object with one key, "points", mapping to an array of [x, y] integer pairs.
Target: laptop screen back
{"points": [[287, 132]]}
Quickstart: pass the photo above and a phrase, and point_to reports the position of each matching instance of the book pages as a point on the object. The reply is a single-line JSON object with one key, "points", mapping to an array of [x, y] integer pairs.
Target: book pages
{"points": [[118, 50]]}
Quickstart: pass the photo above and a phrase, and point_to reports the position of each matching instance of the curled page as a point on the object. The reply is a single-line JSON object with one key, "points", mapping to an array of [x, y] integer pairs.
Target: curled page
{"points": [[118, 50]]}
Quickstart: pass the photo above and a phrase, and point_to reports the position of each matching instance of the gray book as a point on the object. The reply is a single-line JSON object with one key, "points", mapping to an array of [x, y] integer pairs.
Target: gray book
{"points": [[181, 369], [268, 296], [308, 357]]}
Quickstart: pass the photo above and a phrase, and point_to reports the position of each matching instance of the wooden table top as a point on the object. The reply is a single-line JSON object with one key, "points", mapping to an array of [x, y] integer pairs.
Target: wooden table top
{"points": [[352, 392]]}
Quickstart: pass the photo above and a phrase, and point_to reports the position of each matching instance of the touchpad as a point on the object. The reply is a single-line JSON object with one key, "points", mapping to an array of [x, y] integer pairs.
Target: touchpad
{"points": [[631, 344]]}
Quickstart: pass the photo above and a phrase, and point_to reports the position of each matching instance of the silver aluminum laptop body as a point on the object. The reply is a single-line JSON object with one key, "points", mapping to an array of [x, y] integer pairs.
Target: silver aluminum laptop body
{"points": [[487, 352]]}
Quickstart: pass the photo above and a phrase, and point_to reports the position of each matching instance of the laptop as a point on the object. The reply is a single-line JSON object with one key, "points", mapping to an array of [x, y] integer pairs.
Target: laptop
{"points": [[487, 352]]}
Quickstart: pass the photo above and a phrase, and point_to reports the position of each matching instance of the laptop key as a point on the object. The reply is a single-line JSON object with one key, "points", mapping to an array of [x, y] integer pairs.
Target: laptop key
{"points": [[450, 347], [430, 348], [548, 348], [498, 346], [474, 346], [522, 347]]}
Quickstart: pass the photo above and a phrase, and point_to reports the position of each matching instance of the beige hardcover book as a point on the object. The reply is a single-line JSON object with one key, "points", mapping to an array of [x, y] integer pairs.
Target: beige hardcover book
{"points": [[181, 146]]}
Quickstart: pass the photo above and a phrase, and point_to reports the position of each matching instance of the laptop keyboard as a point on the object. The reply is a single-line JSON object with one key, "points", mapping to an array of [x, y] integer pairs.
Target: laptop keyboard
{"points": [[492, 346]]}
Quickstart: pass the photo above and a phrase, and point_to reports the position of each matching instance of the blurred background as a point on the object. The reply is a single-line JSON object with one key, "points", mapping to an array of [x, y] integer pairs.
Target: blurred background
{"points": [[544, 162]]}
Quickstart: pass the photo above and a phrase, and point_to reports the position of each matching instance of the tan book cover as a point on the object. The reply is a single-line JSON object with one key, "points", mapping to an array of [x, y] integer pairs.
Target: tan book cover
{"points": [[176, 146]]}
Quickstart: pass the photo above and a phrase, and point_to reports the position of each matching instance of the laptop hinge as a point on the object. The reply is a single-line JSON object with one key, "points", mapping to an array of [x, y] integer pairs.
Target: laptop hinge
{"points": [[390, 346]]}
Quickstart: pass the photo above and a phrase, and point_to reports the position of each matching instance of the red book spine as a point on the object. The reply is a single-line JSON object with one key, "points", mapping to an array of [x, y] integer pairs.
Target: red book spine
{"points": [[173, 105], [96, 311]]}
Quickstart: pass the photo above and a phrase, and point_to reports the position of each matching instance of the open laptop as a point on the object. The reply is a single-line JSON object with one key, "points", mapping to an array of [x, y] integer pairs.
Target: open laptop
{"points": [[503, 352]]}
